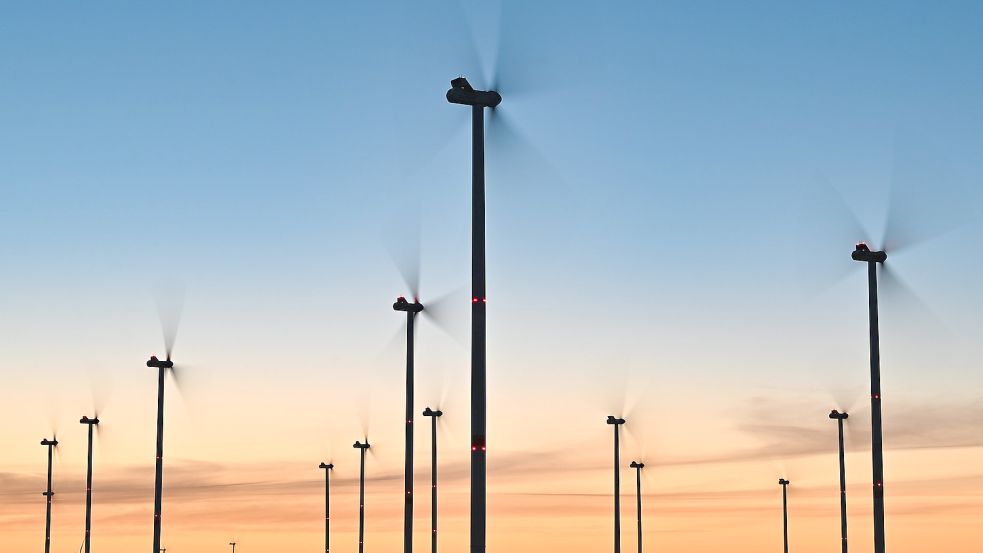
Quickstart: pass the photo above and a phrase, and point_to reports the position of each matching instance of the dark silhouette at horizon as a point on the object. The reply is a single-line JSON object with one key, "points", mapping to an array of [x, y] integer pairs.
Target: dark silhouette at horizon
{"points": [[328, 467], [638, 498], [88, 482], [361, 492], [784, 484], [50, 444], [434, 415], [616, 423]]}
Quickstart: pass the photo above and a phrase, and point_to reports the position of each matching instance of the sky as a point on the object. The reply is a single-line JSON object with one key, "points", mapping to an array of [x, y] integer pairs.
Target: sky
{"points": [[673, 191]]}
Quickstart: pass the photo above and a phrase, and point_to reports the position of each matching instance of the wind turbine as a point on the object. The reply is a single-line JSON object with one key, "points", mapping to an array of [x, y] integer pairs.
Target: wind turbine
{"points": [[839, 418], [638, 496], [88, 482], [908, 220], [361, 492], [162, 367], [411, 309], [328, 467], [863, 254], [461, 92], [434, 415], [50, 444], [170, 315], [784, 484], [616, 423], [233, 544]]}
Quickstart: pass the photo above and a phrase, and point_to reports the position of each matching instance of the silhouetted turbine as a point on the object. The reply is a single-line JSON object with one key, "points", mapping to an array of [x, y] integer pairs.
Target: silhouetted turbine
{"points": [[50, 444], [461, 92], [233, 544], [161, 367], [616, 422], [839, 418], [638, 497], [88, 483], [411, 309], [784, 484], [862, 253], [361, 493], [433, 475], [327, 504]]}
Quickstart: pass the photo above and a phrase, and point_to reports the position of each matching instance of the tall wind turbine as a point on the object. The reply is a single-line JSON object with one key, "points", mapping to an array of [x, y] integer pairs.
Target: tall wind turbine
{"points": [[433, 475], [361, 492], [162, 367], [328, 467], [88, 482], [839, 418], [784, 484], [411, 309], [863, 254], [638, 497], [616, 423], [169, 311], [50, 444], [233, 544], [461, 92]]}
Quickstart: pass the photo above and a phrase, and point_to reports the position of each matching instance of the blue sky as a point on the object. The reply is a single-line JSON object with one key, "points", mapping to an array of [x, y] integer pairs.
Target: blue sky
{"points": [[663, 230]]}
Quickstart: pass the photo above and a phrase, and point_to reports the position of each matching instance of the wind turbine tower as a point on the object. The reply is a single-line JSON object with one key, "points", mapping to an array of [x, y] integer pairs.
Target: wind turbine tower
{"points": [[638, 498], [91, 423], [617, 423], [50, 444], [434, 415], [328, 467], [839, 418], [461, 92]]}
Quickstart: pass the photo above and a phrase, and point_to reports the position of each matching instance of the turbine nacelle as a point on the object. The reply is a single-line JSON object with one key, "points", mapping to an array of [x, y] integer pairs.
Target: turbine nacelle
{"points": [[403, 305], [462, 92], [360, 445], [637, 465], [154, 362], [328, 466], [48, 442], [87, 420], [428, 412], [783, 482], [863, 253], [836, 415], [613, 420]]}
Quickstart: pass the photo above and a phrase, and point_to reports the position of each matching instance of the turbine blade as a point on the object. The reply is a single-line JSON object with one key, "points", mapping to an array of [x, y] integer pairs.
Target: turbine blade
{"points": [[829, 228], [899, 295], [449, 312], [846, 400], [170, 304], [525, 63], [402, 241], [925, 199], [517, 163]]}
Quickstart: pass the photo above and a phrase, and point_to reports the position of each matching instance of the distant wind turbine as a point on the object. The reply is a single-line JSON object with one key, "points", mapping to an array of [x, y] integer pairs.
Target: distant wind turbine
{"points": [[361, 493], [170, 315], [839, 418], [328, 467], [434, 415], [638, 497], [616, 422], [88, 482], [784, 484], [50, 444]]}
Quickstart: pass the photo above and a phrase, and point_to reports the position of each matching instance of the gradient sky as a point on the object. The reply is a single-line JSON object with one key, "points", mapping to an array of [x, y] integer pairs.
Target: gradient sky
{"points": [[668, 237]]}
